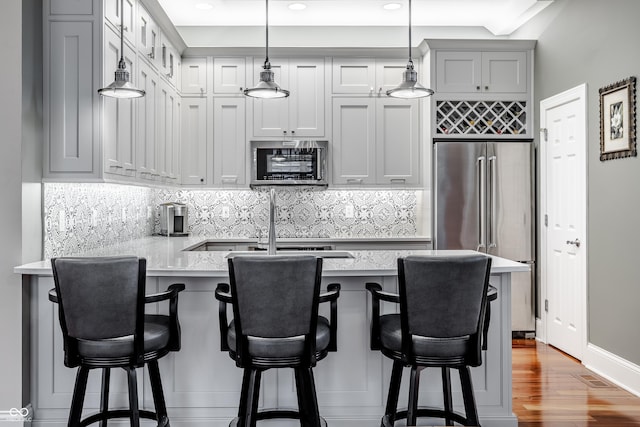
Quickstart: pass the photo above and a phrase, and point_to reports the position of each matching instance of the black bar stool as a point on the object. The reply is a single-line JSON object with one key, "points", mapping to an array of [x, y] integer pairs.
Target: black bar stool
{"points": [[442, 323], [276, 325], [101, 309]]}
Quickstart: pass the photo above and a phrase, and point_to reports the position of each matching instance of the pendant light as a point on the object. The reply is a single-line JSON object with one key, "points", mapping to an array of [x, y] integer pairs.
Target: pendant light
{"points": [[266, 87], [121, 87], [409, 88]]}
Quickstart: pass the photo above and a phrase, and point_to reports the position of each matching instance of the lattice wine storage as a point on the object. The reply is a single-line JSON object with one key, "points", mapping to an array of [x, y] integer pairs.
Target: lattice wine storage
{"points": [[481, 117]]}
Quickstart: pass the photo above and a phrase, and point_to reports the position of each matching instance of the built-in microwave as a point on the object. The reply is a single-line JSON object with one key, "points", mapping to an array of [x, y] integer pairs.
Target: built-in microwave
{"points": [[292, 162]]}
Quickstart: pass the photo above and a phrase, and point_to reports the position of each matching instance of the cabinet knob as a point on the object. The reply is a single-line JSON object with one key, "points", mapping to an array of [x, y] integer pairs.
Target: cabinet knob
{"points": [[284, 132], [241, 89], [293, 132], [486, 88], [477, 87], [201, 179]]}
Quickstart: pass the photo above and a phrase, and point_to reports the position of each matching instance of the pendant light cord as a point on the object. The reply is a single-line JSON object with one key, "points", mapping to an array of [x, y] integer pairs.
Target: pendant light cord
{"points": [[410, 58], [122, 64], [267, 65]]}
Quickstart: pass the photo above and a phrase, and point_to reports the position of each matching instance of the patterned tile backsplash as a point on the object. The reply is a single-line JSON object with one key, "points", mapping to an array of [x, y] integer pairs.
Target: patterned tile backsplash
{"points": [[78, 217]]}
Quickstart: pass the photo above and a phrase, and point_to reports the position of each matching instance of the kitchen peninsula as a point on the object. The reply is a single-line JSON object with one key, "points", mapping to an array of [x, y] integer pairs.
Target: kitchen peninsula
{"points": [[202, 384]]}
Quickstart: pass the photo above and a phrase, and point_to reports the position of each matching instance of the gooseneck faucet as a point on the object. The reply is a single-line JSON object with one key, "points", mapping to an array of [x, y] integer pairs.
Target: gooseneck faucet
{"points": [[272, 222]]}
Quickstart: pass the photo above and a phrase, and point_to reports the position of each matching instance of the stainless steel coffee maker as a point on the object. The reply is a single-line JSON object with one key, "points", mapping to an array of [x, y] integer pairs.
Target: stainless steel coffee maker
{"points": [[174, 219]]}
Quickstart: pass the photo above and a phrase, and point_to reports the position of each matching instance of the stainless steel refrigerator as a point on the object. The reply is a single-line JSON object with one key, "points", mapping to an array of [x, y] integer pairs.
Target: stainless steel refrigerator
{"points": [[484, 199]]}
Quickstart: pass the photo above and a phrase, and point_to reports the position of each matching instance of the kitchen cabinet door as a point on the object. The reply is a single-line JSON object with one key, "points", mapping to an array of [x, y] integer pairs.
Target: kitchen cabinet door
{"points": [[119, 124], [113, 13], [397, 143], [194, 141], [481, 72], [504, 72], [146, 35], [302, 113], [354, 76], [162, 102], [354, 141], [71, 117], [169, 166], [146, 127], [229, 142], [194, 76], [229, 75], [307, 100]]}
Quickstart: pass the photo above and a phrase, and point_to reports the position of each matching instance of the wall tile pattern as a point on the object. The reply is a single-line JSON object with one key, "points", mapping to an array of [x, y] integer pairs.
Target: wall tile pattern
{"points": [[97, 215]]}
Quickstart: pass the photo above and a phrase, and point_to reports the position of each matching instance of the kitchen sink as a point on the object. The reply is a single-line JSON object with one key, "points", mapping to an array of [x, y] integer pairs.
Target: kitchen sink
{"points": [[320, 253]]}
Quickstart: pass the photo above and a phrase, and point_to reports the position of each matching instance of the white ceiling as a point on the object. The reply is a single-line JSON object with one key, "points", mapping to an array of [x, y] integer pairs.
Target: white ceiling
{"points": [[500, 17]]}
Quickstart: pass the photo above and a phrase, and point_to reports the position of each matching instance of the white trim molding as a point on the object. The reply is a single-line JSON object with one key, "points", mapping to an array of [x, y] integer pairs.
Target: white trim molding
{"points": [[612, 367]]}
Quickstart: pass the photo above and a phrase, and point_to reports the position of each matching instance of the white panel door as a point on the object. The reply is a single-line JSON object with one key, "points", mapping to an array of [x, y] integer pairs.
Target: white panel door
{"points": [[229, 142], [229, 75], [354, 139], [458, 71], [70, 104], [113, 14], [504, 72], [397, 144], [147, 128], [564, 207], [147, 31], [194, 141], [353, 75], [307, 101], [162, 101], [118, 126], [194, 76]]}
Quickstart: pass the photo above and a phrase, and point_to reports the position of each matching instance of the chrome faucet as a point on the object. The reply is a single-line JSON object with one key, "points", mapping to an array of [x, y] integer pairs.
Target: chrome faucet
{"points": [[272, 222]]}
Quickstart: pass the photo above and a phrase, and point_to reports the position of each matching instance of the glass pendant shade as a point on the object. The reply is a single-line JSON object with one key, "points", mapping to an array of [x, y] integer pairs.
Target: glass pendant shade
{"points": [[121, 87], [409, 88], [266, 88]]}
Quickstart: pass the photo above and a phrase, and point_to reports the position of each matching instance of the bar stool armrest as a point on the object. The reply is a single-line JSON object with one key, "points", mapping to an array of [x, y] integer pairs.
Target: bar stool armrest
{"points": [[170, 294], [492, 295], [377, 295], [331, 296], [223, 295], [53, 295]]}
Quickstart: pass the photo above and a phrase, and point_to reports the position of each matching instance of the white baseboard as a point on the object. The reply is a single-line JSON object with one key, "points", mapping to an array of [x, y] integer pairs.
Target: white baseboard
{"points": [[619, 371], [540, 335], [17, 414]]}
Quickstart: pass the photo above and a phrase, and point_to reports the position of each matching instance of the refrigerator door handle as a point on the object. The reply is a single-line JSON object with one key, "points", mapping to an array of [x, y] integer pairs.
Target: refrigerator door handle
{"points": [[492, 202], [482, 220]]}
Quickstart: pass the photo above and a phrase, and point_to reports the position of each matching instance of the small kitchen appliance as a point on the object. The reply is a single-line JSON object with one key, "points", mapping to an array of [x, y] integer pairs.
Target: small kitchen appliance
{"points": [[173, 219]]}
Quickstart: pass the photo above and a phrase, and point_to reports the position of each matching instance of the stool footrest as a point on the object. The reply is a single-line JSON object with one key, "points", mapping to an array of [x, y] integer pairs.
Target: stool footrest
{"points": [[270, 414], [121, 413], [425, 412]]}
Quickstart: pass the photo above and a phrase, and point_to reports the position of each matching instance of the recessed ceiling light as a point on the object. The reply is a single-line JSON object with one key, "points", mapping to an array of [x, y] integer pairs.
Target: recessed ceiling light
{"points": [[204, 6], [297, 6], [392, 6]]}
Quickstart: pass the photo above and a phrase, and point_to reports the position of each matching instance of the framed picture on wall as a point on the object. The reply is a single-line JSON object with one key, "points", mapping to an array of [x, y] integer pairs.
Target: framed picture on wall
{"points": [[618, 120]]}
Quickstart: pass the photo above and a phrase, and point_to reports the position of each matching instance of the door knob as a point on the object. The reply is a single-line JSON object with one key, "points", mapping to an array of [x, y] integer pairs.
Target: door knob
{"points": [[574, 242]]}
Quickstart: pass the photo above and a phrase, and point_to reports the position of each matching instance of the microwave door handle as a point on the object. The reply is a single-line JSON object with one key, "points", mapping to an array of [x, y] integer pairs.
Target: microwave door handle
{"points": [[481, 182]]}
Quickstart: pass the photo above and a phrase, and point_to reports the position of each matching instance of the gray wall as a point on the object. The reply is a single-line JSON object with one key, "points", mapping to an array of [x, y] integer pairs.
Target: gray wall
{"points": [[596, 42], [10, 194]]}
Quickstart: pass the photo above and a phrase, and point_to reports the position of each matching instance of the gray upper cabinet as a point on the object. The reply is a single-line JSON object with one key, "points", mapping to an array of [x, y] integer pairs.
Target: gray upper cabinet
{"points": [[194, 76], [229, 75], [481, 72]]}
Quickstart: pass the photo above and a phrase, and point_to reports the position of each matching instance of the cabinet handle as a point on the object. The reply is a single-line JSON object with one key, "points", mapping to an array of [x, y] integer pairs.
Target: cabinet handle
{"points": [[115, 167], [354, 181], [152, 54], [398, 180], [230, 180], [202, 91]]}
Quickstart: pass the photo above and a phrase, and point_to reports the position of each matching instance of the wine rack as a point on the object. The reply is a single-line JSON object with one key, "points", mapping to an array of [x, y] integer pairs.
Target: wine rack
{"points": [[481, 117]]}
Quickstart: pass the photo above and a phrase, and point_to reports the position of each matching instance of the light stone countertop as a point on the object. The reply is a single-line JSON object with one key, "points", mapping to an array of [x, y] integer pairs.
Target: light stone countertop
{"points": [[166, 258]]}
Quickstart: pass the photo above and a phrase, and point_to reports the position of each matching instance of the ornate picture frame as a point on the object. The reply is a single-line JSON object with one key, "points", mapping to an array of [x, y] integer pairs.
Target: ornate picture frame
{"points": [[618, 120]]}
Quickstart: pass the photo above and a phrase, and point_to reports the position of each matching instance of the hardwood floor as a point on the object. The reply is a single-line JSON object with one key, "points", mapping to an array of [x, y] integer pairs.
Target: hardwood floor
{"points": [[551, 389]]}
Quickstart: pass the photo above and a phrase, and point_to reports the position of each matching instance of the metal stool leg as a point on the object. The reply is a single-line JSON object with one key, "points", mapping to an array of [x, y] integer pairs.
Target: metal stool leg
{"points": [[78, 396], [104, 396], [469, 399], [414, 384], [158, 394], [394, 391], [133, 397], [446, 392]]}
